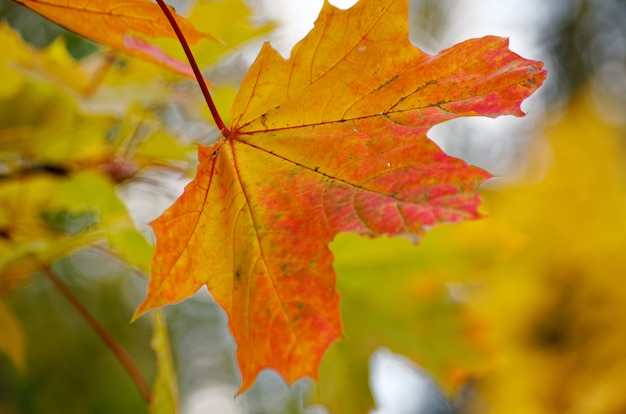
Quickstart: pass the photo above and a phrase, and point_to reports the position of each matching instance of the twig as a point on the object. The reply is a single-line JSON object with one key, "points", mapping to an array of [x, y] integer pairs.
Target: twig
{"points": [[98, 76], [119, 352]]}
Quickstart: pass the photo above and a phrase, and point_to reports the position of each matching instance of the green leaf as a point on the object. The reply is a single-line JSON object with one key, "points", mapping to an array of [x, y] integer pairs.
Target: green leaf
{"points": [[397, 295], [88, 191]]}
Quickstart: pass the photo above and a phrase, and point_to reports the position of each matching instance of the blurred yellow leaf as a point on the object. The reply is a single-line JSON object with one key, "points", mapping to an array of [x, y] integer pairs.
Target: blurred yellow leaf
{"points": [[13, 50], [90, 191], [226, 20], [54, 64], [162, 147], [44, 217], [224, 97], [555, 305], [43, 125], [165, 387], [142, 137], [20, 61], [234, 30], [12, 338], [29, 241]]}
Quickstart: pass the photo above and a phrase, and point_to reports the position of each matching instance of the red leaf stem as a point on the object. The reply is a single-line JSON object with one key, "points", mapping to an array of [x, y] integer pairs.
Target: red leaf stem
{"points": [[196, 71]]}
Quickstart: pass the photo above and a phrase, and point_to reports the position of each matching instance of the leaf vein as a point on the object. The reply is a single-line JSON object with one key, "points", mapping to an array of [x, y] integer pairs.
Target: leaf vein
{"points": [[259, 244]]}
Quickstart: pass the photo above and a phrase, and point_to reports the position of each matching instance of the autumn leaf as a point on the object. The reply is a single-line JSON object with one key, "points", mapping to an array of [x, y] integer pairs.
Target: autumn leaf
{"points": [[553, 304], [331, 140], [113, 22]]}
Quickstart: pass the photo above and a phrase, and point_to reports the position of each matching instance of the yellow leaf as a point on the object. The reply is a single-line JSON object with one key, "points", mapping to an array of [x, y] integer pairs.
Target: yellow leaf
{"points": [[233, 31], [164, 388], [12, 338], [90, 191], [43, 124], [55, 65], [28, 242], [555, 305], [13, 50]]}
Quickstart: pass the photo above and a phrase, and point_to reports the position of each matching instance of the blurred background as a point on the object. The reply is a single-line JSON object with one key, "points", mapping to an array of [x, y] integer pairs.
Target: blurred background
{"points": [[519, 312]]}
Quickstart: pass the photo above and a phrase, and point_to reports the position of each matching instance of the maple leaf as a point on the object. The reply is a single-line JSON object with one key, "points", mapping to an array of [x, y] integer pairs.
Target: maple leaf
{"points": [[331, 140], [111, 22]]}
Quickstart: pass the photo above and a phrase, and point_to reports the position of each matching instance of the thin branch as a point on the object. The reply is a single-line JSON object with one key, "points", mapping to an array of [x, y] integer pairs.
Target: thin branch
{"points": [[119, 352], [194, 66], [98, 76]]}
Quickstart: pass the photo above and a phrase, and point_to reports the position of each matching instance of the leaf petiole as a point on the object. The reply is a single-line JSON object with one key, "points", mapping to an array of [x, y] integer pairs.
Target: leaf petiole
{"points": [[196, 71]]}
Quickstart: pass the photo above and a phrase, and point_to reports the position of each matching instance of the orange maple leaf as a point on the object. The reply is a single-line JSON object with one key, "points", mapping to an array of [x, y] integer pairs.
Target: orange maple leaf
{"points": [[112, 22], [331, 140]]}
